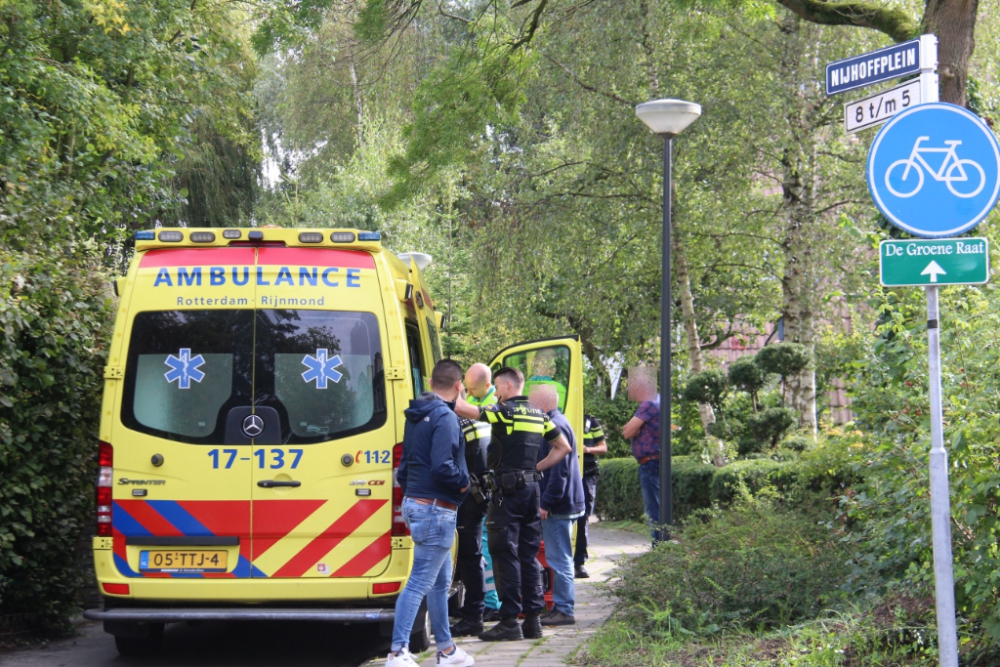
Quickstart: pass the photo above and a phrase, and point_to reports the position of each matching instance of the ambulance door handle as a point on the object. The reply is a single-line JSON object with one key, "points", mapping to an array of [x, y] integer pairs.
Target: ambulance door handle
{"points": [[272, 483]]}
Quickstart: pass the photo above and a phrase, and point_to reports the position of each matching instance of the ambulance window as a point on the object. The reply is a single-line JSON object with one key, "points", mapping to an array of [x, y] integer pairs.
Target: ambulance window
{"points": [[416, 365], [435, 341], [185, 370], [322, 371], [546, 365]]}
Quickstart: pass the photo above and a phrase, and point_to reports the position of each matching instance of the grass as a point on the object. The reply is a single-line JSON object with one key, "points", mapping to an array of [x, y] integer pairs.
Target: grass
{"points": [[839, 640]]}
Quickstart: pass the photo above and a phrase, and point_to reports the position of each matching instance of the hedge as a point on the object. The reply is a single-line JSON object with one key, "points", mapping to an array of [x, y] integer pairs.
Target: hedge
{"points": [[619, 497], [697, 485], [55, 317]]}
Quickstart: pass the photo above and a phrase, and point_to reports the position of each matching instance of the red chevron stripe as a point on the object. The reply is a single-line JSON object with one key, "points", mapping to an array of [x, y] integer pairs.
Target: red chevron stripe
{"points": [[223, 517], [273, 519], [350, 521], [150, 519], [369, 557]]}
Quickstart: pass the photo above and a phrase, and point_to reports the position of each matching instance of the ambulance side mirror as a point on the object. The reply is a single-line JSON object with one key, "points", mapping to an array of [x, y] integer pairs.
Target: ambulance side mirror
{"points": [[119, 286]]}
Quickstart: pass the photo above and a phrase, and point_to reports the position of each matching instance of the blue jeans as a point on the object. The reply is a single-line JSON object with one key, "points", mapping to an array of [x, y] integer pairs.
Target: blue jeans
{"points": [[433, 531], [558, 535], [649, 480]]}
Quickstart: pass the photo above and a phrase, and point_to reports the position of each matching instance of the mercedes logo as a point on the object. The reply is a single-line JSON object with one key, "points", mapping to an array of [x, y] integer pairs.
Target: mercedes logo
{"points": [[253, 426]]}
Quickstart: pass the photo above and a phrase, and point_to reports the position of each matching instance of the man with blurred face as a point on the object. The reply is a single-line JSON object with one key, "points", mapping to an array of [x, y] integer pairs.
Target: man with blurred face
{"points": [[644, 432], [561, 504]]}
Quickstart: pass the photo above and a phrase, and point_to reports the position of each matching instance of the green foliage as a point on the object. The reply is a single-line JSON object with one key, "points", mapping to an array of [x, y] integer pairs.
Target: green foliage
{"points": [[612, 415], [709, 387], [746, 375], [766, 429], [55, 318], [619, 497], [750, 476], [756, 564], [784, 359]]}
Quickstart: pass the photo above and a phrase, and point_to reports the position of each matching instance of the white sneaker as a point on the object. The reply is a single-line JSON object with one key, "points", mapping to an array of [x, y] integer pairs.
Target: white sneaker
{"points": [[404, 659], [459, 658]]}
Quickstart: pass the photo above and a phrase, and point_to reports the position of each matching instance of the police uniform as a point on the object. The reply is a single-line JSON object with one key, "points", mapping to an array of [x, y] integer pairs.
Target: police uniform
{"points": [[513, 521], [469, 564], [593, 434]]}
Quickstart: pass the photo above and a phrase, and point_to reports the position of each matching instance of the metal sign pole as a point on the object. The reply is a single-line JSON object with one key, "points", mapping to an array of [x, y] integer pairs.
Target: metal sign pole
{"points": [[944, 576], [944, 579]]}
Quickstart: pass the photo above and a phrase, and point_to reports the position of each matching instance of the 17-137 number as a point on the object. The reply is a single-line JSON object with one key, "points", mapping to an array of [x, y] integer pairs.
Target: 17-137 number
{"points": [[278, 458]]}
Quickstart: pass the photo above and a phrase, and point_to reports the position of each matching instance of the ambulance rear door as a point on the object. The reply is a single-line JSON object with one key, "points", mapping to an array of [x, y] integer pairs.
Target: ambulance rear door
{"points": [[322, 465], [181, 486], [557, 362]]}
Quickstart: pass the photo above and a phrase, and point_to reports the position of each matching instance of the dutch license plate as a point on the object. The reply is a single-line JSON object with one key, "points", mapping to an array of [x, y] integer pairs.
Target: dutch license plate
{"points": [[183, 561]]}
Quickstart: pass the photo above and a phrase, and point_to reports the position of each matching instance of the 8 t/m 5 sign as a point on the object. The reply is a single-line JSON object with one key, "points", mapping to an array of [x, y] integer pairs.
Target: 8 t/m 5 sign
{"points": [[876, 109]]}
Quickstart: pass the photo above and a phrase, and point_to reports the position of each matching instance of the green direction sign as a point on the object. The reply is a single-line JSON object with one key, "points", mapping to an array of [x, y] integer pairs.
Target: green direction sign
{"points": [[921, 262]]}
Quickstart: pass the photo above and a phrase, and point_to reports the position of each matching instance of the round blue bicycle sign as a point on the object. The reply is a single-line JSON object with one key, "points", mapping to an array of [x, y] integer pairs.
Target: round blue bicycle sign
{"points": [[934, 170]]}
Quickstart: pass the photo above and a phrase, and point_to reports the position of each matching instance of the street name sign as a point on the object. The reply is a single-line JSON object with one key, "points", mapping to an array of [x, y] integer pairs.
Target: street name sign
{"points": [[913, 263], [885, 64], [880, 107], [934, 170]]}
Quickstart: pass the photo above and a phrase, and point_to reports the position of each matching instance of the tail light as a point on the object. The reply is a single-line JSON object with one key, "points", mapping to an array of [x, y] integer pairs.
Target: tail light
{"points": [[399, 528], [105, 459]]}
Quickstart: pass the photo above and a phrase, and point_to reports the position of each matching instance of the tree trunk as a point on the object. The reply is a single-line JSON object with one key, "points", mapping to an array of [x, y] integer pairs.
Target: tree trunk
{"points": [[954, 23], [682, 278], [359, 107], [798, 291]]}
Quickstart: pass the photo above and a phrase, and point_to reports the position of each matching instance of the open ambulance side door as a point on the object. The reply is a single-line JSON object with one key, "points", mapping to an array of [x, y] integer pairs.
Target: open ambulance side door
{"points": [[553, 361]]}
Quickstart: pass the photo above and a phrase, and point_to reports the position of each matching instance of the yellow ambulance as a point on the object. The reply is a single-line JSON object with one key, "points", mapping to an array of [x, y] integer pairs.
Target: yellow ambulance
{"points": [[251, 425]]}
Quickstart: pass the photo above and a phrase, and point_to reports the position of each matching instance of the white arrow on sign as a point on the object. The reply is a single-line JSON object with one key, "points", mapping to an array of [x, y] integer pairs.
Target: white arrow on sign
{"points": [[933, 270]]}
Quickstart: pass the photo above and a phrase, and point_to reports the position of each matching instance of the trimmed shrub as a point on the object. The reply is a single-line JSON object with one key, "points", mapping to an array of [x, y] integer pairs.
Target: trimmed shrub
{"points": [[746, 375], [619, 497], [55, 317], [707, 387], [764, 430]]}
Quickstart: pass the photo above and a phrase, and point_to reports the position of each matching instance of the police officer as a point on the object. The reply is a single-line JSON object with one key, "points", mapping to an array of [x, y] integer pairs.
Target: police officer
{"points": [[471, 513], [469, 564], [594, 444], [513, 520]]}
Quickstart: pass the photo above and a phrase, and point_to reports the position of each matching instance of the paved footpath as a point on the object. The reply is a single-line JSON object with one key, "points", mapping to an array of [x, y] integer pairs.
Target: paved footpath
{"points": [[560, 644]]}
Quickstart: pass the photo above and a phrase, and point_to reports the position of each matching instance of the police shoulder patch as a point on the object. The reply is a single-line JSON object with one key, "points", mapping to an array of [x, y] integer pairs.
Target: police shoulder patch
{"points": [[492, 408]]}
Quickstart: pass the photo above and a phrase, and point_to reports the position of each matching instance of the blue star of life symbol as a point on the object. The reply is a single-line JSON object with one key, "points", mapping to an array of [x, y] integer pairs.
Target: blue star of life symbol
{"points": [[184, 369], [321, 369]]}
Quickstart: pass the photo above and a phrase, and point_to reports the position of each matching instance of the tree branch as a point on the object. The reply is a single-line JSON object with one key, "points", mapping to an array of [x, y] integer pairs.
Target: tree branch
{"points": [[586, 86], [889, 20]]}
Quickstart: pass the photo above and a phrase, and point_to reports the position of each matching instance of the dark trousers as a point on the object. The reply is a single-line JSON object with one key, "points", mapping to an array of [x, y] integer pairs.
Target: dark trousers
{"points": [[580, 554], [514, 529], [470, 557]]}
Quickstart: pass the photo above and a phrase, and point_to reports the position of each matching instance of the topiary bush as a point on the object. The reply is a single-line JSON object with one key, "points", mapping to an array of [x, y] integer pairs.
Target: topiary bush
{"points": [[768, 427], [55, 316], [745, 374], [709, 387]]}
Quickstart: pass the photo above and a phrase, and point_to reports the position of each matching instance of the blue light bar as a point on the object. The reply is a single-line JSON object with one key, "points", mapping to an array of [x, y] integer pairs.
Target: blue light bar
{"points": [[145, 236], [369, 236]]}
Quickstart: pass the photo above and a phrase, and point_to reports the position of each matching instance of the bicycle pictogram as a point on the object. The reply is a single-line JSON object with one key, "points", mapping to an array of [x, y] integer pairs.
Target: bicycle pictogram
{"points": [[952, 170]]}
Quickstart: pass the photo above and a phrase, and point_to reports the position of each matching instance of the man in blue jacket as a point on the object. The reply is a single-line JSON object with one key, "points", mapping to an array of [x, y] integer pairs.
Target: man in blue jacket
{"points": [[562, 503], [434, 478]]}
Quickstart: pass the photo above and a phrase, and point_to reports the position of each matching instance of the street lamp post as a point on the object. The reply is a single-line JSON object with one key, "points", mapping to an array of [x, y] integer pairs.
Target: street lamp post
{"points": [[667, 118]]}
